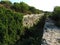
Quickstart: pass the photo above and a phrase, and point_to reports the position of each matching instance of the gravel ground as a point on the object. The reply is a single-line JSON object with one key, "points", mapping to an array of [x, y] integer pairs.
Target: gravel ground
{"points": [[51, 34]]}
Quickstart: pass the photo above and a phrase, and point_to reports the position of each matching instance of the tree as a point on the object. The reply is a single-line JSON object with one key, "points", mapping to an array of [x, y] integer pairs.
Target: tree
{"points": [[24, 7], [16, 7], [7, 4], [56, 15], [32, 9], [20, 7]]}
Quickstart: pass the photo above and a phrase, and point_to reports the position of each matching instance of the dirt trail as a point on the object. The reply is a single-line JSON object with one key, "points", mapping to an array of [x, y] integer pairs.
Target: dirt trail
{"points": [[51, 34]]}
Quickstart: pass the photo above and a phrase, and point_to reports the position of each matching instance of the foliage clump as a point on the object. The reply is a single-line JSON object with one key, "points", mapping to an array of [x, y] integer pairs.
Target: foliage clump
{"points": [[10, 26], [56, 15], [21, 7]]}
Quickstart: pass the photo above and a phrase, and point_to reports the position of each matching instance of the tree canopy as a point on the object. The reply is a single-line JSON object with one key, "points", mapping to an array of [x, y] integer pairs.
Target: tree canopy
{"points": [[56, 15], [21, 7]]}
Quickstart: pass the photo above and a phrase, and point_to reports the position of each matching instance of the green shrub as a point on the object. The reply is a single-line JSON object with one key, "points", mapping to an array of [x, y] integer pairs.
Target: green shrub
{"points": [[56, 16], [10, 26]]}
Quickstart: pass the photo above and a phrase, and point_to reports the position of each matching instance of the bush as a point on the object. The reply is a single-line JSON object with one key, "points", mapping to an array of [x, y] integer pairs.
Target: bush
{"points": [[21, 7], [10, 26], [56, 16]]}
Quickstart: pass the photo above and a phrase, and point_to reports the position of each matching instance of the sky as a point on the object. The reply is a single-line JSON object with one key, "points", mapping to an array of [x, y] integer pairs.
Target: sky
{"points": [[45, 5]]}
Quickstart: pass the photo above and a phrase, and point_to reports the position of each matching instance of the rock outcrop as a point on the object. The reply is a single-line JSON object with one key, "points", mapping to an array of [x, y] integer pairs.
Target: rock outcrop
{"points": [[30, 20]]}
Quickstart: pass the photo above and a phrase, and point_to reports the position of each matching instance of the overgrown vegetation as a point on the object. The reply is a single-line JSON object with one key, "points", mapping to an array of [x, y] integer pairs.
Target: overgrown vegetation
{"points": [[56, 15], [33, 35], [21, 7], [12, 31], [10, 26]]}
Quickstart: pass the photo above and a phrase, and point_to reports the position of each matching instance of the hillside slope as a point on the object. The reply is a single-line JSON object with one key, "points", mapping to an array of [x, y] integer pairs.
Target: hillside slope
{"points": [[10, 26]]}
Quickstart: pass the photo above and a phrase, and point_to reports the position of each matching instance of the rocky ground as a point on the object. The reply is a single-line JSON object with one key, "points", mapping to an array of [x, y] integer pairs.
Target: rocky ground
{"points": [[30, 20], [51, 34]]}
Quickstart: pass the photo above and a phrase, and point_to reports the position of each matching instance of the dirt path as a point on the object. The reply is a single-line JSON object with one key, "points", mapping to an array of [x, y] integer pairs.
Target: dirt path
{"points": [[51, 34]]}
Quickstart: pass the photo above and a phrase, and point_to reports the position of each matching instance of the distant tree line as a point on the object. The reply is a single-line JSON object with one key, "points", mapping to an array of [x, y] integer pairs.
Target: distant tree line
{"points": [[21, 7], [56, 15]]}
